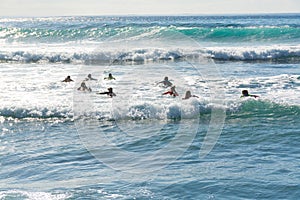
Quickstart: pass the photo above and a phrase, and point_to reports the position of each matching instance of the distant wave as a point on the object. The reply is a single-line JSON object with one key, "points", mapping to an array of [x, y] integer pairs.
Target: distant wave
{"points": [[244, 38], [254, 53], [237, 33], [93, 57], [232, 33], [259, 53]]}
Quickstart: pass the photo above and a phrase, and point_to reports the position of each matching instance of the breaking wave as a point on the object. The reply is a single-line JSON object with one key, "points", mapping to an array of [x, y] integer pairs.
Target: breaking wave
{"points": [[260, 53]]}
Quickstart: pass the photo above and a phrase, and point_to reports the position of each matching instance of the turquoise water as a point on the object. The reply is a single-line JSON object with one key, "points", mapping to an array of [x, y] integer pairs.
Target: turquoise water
{"points": [[60, 143]]}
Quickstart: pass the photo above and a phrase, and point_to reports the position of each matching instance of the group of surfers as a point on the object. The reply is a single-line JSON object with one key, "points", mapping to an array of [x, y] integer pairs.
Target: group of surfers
{"points": [[83, 86], [165, 82]]}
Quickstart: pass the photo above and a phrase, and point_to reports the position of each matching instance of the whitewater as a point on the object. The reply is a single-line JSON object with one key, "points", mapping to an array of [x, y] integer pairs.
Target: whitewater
{"points": [[58, 142]]}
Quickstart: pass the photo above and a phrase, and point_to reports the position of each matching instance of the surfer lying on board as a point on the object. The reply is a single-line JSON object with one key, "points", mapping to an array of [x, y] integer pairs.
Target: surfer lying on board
{"points": [[83, 87], [189, 95], [68, 79], [89, 78], [109, 93], [245, 93], [166, 82], [171, 92], [110, 77]]}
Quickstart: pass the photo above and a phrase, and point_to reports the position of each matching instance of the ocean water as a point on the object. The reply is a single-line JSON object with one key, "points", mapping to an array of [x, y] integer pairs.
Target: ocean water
{"points": [[57, 142]]}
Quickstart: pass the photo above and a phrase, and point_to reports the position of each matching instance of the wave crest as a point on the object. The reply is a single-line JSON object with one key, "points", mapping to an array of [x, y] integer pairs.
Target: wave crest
{"points": [[263, 108], [147, 111], [262, 53]]}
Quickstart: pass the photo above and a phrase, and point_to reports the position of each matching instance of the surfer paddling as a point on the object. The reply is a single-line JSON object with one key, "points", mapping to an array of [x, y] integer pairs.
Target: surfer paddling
{"points": [[109, 92], [110, 77], [171, 92], [165, 82], [83, 87], [90, 78], [188, 95], [245, 93], [67, 79]]}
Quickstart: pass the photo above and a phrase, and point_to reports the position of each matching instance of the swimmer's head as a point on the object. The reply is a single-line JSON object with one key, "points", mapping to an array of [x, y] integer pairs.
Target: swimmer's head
{"points": [[166, 78], [245, 93], [188, 94]]}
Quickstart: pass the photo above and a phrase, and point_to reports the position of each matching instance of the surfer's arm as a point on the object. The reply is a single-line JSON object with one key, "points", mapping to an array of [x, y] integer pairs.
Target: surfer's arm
{"points": [[250, 95], [102, 93], [159, 82]]}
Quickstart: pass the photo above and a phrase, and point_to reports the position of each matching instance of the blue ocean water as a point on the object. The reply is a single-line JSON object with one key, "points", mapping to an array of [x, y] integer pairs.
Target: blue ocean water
{"points": [[57, 142]]}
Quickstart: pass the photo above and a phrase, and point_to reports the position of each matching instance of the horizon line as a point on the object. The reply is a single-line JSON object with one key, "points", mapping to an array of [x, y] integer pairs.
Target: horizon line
{"points": [[157, 15]]}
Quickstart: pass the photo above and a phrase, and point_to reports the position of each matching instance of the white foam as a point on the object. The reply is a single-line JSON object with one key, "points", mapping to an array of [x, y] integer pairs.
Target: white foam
{"points": [[33, 195], [253, 52], [36, 90], [32, 90]]}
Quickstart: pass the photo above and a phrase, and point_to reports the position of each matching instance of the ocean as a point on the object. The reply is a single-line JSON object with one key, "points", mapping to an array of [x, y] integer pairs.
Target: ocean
{"points": [[59, 142]]}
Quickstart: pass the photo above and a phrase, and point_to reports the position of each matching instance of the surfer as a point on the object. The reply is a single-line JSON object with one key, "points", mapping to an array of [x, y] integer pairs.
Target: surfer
{"points": [[166, 82], [171, 92], [109, 93], [89, 78], [110, 77], [245, 93], [83, 87], [189, 95], [68, 79]]}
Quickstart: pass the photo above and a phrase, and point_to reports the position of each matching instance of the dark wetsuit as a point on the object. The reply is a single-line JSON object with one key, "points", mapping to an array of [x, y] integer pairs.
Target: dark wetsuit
{"points": [[110, 92]]}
